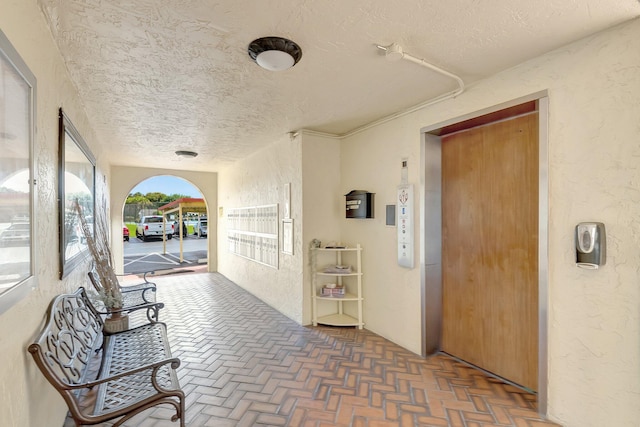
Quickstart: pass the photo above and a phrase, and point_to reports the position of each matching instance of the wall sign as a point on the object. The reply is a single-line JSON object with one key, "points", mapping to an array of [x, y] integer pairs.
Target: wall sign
{"points": [[287, 236]]}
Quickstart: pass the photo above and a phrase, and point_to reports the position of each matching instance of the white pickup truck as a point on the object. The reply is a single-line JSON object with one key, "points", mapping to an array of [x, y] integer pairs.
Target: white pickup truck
{"points": [[151, 226]]}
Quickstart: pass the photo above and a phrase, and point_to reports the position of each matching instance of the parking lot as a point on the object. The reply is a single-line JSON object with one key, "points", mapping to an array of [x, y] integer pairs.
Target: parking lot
{"points": [[140, 256]]}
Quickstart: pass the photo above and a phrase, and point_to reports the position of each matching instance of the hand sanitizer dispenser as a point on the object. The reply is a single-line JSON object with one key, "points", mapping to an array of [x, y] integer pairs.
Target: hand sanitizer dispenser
{"points": [[590, 245]]}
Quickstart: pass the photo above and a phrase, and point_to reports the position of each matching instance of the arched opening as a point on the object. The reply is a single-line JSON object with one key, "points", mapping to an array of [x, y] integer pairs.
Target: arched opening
{"points": [[164, 227]]}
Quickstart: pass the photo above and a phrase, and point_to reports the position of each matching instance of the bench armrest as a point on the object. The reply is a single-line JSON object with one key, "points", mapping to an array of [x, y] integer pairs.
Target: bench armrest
{"points": [[174, 363], [144, 277], [130, 309], [144, 292], [152, 310], [138, 288]]}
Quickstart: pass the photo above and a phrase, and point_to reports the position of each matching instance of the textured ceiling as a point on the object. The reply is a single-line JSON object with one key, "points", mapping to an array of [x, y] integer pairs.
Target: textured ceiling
{"points": [[158, 76]]}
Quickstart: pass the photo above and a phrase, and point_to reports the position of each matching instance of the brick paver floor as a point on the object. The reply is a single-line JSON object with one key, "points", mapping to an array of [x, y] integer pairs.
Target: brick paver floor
{"points": [[245, 364]]}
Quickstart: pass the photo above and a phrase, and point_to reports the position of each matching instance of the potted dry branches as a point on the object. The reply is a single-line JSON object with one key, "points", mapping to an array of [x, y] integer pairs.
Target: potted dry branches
{"points": [[108, 291]]}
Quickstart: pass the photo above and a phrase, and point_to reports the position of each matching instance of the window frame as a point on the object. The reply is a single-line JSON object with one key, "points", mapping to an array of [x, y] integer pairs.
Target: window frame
{"points": [[66, 128], [21, 289]]}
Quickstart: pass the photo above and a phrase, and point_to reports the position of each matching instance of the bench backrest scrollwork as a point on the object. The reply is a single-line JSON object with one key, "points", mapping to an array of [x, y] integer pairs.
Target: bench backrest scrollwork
{"points": [[67, 343]]}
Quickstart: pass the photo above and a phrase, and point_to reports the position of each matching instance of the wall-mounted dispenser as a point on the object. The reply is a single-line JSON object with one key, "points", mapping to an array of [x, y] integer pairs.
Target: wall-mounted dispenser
{"points": [[590, 245]]}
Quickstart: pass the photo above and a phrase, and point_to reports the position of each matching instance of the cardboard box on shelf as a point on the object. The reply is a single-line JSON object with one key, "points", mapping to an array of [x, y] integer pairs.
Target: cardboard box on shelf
{"points": [[337, 291]]}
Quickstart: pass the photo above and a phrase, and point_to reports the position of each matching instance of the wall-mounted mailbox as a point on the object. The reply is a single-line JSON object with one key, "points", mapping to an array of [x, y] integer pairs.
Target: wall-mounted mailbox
{"points": [[359, 204]]}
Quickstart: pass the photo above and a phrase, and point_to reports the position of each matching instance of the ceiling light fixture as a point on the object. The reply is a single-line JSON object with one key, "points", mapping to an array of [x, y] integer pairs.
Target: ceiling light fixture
{"points": [[184, 153], [274, 53]]}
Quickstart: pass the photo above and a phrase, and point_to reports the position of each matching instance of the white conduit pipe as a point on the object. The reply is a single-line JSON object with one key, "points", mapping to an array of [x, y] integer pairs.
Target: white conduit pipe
{"points": [[393, 52]]}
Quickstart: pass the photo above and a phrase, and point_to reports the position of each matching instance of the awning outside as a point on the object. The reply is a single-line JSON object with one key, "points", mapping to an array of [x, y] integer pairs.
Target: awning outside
{"points": [[183, 207]]}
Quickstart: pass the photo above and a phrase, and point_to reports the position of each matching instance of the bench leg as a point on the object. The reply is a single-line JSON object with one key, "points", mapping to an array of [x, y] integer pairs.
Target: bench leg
{"points": [[179, 406], [180, 409]]}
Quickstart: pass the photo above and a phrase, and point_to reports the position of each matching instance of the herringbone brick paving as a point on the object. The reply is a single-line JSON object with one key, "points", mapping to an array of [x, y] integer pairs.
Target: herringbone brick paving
{"points": [[245, 364]]}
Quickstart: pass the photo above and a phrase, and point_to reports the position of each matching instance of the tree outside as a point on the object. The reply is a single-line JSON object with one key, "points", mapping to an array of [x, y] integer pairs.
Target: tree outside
{"points": [[152, 193], [138, 204]]}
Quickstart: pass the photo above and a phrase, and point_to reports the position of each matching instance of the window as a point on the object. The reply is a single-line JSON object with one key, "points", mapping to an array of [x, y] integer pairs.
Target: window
{"points": [[17, 133]]}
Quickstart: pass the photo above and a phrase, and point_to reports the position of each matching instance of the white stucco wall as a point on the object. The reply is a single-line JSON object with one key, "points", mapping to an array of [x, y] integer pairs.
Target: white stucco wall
{"points": [[594, 175], [27, 399], [323, 202], [371, 161], [256, 181], [125, 178], [311, 164]]}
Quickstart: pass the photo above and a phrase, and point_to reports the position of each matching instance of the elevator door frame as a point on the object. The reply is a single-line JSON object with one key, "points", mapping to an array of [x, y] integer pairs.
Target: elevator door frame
{"points": [[431, 231]]}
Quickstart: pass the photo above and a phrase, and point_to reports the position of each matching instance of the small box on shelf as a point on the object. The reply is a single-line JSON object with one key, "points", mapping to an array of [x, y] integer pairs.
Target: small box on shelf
{"points": [[336, 291], [337, 269], [334, 245]]}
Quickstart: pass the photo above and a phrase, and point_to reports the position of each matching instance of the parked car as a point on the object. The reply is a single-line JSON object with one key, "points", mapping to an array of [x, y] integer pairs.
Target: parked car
{"points": [[151, 226], [125, 233], [184, 228], [200, 229], [16, 234]]}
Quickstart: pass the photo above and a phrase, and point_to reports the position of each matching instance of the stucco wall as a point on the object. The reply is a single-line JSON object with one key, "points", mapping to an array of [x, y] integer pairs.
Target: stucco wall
{"points": [[255, 181], [594, 175], [311, 164], [27, 399], [371, 161], [323, 202]]}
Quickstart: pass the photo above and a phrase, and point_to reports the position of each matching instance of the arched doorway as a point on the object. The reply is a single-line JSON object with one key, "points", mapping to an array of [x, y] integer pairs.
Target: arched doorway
{"points": [[127, 179]]}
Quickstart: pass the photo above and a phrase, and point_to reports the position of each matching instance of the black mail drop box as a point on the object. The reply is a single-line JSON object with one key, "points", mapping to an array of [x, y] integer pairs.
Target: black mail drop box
{"points": [[359, 204]]}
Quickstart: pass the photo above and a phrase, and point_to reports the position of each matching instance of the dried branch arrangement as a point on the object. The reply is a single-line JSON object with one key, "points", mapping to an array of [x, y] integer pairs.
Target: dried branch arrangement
{"points": [[98, 244]]}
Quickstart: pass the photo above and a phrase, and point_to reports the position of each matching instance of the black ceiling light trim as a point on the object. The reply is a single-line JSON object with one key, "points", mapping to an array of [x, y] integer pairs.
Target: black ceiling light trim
{"points": [[278, 44]]}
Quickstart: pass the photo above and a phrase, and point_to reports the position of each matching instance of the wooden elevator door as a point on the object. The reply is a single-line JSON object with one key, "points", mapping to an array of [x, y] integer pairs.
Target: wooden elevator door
{"points": [[490, 247]]}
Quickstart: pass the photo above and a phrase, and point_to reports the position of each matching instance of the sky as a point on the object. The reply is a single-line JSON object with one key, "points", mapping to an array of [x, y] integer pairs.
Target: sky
{"points": [[167, 185]]}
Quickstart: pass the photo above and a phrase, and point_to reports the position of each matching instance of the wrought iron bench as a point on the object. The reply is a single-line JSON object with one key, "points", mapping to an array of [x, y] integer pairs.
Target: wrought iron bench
{"points": [[135, 371], [141, 296]]}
